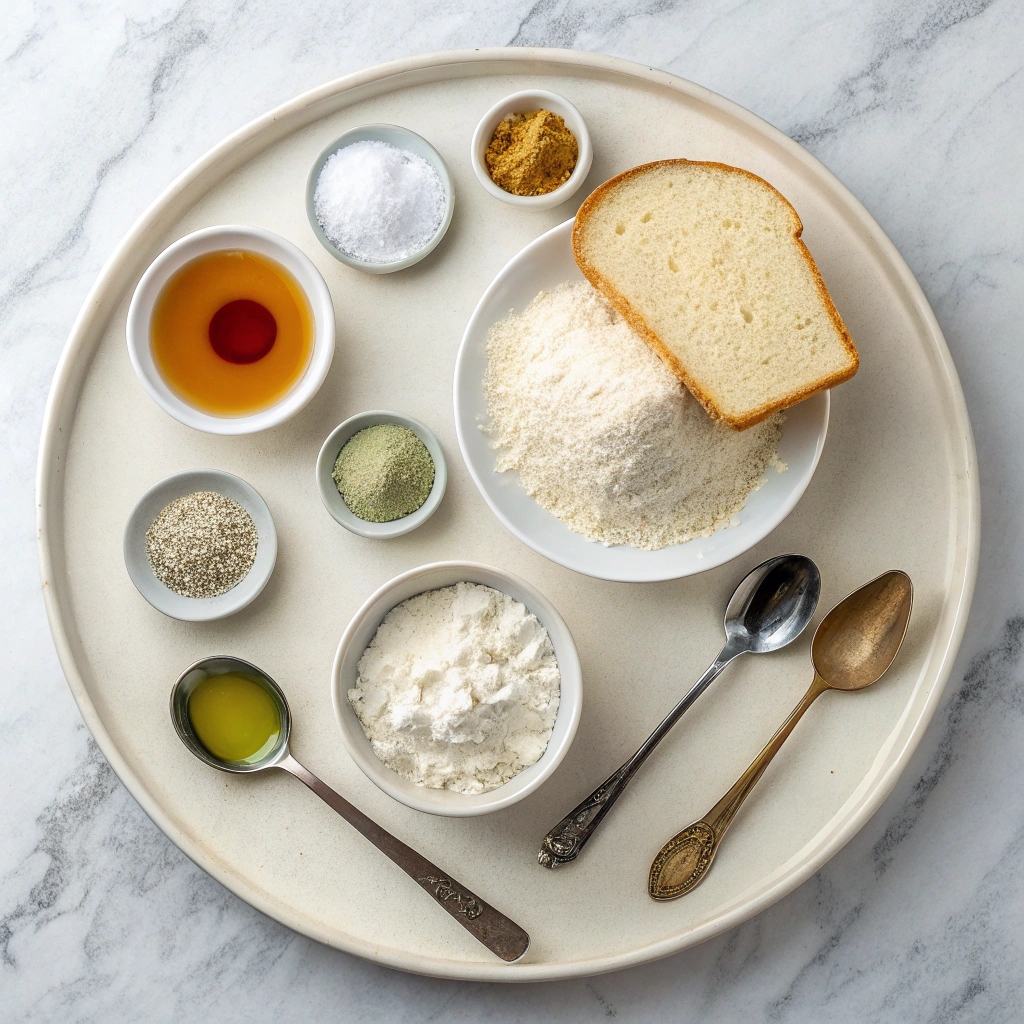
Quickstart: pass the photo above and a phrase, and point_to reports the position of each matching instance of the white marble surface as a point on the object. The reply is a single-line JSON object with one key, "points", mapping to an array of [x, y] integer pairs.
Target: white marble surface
{"points": [[916, 106]]}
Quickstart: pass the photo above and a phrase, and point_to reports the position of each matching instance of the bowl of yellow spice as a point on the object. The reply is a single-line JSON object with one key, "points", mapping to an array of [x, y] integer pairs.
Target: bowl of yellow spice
{"points": [[381, 474], [532, 149]]}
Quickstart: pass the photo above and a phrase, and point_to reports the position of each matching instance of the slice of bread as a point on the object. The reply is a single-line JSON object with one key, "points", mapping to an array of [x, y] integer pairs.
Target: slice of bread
{"points": [[705, 262]]}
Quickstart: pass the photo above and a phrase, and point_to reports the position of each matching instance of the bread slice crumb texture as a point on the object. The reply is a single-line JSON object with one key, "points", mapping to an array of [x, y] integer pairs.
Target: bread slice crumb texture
{"points": [[705, 261]]}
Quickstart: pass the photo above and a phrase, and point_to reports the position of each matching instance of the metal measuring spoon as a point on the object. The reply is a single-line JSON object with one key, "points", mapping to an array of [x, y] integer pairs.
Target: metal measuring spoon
{"points": [[852, 648], [501, 936], [769, 609]]}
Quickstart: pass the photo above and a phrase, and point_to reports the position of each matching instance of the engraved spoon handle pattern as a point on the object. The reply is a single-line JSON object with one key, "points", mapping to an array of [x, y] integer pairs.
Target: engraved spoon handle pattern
{"points": [[499, 934], [565, 841]]}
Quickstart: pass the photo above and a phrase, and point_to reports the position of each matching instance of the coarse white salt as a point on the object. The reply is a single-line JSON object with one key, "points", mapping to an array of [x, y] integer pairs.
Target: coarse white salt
{"points": [[379, 203]]}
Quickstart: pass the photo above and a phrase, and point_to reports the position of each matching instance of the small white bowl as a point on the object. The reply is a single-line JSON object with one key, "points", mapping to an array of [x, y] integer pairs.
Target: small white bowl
{"points": [[521, 103], [154, 501], [360, 632], [199, 243], [400, 138], [335, 503], [543, 265]]}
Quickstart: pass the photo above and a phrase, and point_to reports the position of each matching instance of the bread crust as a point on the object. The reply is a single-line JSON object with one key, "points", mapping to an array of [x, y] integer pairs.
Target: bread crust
{"points": [[637, 322]]}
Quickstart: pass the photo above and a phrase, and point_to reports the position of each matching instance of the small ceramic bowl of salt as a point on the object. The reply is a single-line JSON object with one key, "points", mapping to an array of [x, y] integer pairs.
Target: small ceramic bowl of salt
{"points": [[379, 198]]}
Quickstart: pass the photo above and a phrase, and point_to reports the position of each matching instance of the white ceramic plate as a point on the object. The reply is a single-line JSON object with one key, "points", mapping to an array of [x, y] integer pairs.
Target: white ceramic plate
{"points": [[541, 266], [896, 487]]}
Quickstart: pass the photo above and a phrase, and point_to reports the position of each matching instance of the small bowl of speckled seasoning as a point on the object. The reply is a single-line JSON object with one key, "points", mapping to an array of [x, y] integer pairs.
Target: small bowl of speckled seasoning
{"points": [[200, 545], [381, 474]]}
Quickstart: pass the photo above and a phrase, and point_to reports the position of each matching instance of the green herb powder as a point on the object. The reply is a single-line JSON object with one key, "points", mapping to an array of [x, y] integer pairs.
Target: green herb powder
{"points": [[384, 472]]}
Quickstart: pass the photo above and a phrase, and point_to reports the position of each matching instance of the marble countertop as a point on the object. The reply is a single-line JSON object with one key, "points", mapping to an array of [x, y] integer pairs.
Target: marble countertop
{"points": [[916, 106]]}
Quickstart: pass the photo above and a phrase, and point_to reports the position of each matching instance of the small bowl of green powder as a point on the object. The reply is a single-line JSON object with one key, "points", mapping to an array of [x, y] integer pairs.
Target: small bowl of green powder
{"points": [[381, 474]]}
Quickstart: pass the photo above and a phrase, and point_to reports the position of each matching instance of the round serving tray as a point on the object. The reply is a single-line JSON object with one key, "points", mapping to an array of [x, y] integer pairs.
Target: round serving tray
{"points": [[896, 487]]}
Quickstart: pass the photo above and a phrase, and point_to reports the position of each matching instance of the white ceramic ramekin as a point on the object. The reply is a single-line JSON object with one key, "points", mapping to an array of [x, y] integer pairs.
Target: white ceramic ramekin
{"points": [[154, 501], [521, 103], [400, 138], [360, 632], [199, 243], [335, 503]]}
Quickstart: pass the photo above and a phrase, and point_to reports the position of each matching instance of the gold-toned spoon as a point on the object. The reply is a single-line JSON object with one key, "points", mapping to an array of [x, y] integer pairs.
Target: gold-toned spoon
{"points": [[852, 648]]}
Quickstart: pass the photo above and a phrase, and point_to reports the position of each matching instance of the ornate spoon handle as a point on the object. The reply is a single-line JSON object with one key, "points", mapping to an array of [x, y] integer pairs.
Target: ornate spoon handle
{"points": [[500, 935], [684, 860], [564, 842]]}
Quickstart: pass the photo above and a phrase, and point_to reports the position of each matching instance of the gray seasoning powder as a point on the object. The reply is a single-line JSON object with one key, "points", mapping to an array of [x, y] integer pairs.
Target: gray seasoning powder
{"points": [[202, 545]]}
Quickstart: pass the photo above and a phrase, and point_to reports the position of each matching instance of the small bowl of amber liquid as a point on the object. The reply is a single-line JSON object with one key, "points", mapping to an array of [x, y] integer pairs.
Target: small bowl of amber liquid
{"points": [[231, 330]]}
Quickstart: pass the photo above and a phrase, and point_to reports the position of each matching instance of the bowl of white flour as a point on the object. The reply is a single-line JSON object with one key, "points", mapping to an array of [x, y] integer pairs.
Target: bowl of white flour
{"points": [[588, 449], [458, 689]]}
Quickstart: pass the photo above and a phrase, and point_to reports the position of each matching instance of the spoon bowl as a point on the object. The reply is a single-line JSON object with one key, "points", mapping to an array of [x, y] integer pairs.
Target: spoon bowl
{"points": [[216, 666], [859, 639], [773, 605]]}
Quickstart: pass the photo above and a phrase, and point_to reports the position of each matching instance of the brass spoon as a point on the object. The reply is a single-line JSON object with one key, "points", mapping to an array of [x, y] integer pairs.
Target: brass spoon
{"points": [[500, 935], [852, 648]]}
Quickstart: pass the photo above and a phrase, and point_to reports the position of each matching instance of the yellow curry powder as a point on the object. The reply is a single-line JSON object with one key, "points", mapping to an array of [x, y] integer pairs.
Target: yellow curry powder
{"points": [[531, 154]]}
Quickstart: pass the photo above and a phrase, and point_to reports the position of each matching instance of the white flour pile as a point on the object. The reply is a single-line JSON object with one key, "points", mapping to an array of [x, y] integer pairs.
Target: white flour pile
{"points": [[458, 689], [602, 434], [379, 203]]}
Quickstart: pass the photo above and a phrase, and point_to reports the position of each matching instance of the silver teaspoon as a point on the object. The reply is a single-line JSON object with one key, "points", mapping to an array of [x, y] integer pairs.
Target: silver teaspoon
{"points": [[500, 935], [768, 610]]}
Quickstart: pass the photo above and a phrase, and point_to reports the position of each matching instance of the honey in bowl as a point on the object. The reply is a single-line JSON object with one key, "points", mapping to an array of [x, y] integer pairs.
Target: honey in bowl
{"points": [[232, 332]]}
